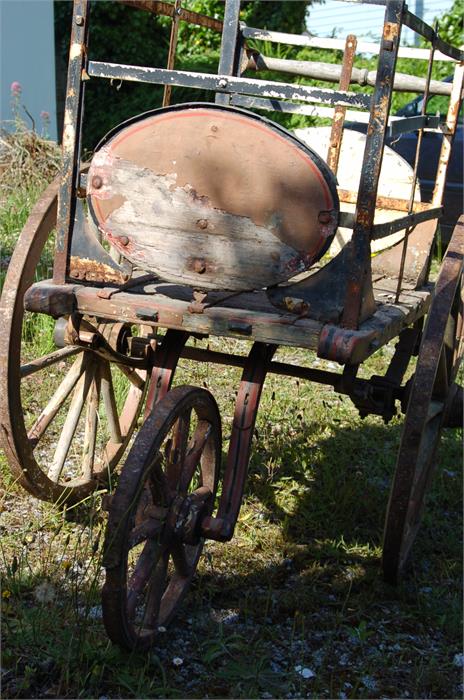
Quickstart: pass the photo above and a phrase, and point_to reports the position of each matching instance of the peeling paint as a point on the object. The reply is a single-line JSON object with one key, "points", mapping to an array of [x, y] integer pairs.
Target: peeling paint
{"points": [[75, 51]]}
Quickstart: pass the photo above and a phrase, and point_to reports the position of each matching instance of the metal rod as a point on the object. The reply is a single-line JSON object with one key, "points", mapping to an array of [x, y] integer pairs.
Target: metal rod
{"points": [[332, 72], [282, 368], [333, 44], [382, 202], [336, 134], [172, 49], [359, 278], [229, 49], [414, 177], [448, 137], [420, 27], [167, 9], [71, 139], [381, 230], [312, 110]]}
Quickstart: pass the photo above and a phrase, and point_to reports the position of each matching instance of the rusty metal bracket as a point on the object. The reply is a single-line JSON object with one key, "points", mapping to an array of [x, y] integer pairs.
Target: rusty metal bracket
{"points": [[255, 369], [344, 345]]}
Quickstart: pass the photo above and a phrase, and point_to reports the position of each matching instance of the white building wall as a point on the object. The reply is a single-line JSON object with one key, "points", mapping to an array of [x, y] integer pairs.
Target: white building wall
{"points": [[27, 57], [335, 18]]}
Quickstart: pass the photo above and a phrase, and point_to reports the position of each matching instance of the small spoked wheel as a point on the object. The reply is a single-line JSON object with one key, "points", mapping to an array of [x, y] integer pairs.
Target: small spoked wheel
{"points": [[66, 415], [153, 543], [432, 403]]}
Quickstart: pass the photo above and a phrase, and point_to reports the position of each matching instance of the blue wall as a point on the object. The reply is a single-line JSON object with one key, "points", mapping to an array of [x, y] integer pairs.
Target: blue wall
{"points": [[27, 55]]}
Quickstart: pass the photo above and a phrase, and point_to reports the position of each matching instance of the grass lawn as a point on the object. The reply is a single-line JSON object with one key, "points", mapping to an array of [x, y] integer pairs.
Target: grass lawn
{"points": [[295, 606]]}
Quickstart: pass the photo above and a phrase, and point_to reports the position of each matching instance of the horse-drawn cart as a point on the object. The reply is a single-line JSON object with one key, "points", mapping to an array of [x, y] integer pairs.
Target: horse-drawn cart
{"points": [[206, 219]]}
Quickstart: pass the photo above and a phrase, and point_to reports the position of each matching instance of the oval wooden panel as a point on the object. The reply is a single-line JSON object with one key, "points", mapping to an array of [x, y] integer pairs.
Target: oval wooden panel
{"points": [[213, 197]]}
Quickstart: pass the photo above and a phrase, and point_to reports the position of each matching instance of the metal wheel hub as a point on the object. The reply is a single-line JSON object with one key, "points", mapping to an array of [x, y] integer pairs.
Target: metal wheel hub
{"points": [[188, 513]]}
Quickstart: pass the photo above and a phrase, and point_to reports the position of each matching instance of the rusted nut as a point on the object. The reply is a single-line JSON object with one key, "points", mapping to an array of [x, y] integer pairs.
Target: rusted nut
{"points": [[199, 266], [325, 217], [202, 223], [97, 182], [79, 20], [123, 240], [223, 83], [211, 528]]}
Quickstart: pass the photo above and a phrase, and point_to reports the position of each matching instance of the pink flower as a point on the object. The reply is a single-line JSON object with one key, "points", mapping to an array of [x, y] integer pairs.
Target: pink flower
{"points": [[45, 116], [16, 88]]}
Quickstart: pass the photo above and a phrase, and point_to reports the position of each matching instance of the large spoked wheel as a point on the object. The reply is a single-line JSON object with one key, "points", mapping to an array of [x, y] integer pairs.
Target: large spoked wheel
{"points": [[66, 415], [433, 393], [167, 486]]}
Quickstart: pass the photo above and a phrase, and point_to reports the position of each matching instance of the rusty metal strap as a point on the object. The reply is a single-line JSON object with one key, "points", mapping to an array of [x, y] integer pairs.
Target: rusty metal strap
{"points": [[225, 83], [168, 10], [382, 230], [385, 202], [425, 30]]}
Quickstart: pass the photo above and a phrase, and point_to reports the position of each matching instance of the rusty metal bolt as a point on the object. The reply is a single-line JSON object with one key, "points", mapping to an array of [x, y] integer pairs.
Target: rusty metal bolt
{"points": [[97, 182], [199, 266], [79, 20], [123, 240], [202, 223], [325, 217]]}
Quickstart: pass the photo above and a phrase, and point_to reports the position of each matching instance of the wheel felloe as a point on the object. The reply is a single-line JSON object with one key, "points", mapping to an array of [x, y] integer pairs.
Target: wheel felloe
{"points": [[435, 401]]}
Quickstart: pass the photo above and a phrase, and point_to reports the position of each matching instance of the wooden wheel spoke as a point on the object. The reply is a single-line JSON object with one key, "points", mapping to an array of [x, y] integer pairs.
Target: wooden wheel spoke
{"points": [[109, 399], [141, 574], [156, 589], [180, 558], [442, 378], [133, 375], [56, 402], [159, 485], [148, 530], [70, 424], [193, 455], [91, 425], [176, 456], [48, 360]]}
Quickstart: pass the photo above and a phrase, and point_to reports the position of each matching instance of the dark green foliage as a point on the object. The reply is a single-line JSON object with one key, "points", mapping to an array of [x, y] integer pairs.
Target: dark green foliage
{"points": [[277, 16], [451, 24], [122, 35]]}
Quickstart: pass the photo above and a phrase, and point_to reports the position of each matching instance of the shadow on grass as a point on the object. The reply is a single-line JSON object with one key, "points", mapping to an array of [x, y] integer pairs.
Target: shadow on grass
{"points": [[300, 583]]}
